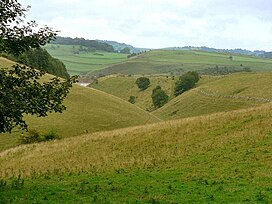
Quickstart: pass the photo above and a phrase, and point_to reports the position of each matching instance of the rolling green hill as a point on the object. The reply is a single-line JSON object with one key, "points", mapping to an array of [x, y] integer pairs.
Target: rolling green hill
{"points": [[232, 92], [209, 159], [213, 93], [177, 62], [78, 61]]}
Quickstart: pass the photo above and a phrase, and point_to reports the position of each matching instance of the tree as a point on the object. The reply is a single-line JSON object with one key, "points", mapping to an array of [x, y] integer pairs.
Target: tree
{"points": [[132, 99], [159, 97], [186, 82], [125, 50], [143, 83], [21, 90]]}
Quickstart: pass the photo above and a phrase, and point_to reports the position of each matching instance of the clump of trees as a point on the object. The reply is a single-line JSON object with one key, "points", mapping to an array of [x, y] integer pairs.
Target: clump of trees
{"points": [[125, 50], [40, 59], [159, 97], [92, 45], [143, 83], [21, 90], [224, 70], [186, 82]]}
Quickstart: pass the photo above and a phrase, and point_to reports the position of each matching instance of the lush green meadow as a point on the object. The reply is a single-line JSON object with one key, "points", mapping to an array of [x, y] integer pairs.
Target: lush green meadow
{"points": [[224, 157], [78, 63], [177, 62]]}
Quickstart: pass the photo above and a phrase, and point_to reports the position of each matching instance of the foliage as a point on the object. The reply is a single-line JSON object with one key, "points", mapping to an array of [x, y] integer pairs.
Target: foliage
{"points": [[224, 70], [92, 45], [143, 83], [125, 50], [52, 135], [16, 39], [21, 91], [132, 99], [33, 136], [41, 59], [159, 97], [186, 82], [132, 55]]}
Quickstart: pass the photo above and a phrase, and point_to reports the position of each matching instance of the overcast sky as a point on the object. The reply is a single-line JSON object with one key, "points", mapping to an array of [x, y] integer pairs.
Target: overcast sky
{"points": [[242, 24]]}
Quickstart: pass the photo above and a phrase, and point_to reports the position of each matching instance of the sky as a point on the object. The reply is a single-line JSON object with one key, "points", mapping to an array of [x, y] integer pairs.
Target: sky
{"points": [[224, 24]]}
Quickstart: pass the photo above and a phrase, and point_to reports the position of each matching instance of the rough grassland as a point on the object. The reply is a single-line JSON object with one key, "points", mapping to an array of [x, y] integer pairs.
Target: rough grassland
{"points": [[232, 92], [83, 62], [224, 157], [5, 63], [88, 110], [162, 61]]}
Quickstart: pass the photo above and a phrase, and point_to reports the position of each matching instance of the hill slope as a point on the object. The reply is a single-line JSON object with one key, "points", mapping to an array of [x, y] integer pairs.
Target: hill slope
{"points": [[232, 92], [124, 87], [213, 93], [221, 157], [88, 110], [177, 62]]}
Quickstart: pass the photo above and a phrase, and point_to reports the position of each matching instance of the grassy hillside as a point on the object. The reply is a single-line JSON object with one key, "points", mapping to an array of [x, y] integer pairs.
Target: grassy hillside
{"points": [[209, 159], [213, 93], [124, 87], [80, 62], [163, 61], [226, 93], [88, 110]]}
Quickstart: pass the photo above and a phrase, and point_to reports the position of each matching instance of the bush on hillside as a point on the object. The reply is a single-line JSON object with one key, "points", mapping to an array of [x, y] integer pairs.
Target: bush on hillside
{"points": [[132, 99], [33, 136], [143, 83], [159, 97], [186, 82]]}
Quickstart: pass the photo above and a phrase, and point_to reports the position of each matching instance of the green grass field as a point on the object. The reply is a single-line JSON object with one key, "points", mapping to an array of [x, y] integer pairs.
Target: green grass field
{"points": [[177, 62], [83, 62], [225, 157]]}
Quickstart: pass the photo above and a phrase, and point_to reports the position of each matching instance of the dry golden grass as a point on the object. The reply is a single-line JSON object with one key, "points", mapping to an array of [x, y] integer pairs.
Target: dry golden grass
{"points": [[221, 137], [5, 63]]}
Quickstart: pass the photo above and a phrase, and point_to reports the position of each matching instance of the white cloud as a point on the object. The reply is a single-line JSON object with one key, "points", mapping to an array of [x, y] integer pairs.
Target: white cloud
{"points": [[161, 23]]}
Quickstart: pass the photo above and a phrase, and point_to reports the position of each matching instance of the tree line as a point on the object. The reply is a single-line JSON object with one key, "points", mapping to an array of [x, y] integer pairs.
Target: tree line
{"points": [[91, 44], [42, 60]]}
